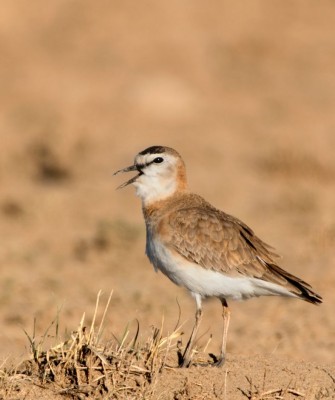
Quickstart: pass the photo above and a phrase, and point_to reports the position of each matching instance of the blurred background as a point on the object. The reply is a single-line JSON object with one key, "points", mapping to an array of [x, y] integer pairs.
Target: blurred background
{"points": [[245, 91]]}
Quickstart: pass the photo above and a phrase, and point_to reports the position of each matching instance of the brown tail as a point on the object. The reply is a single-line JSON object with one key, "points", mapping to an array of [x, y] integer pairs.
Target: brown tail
{"points": [[302, 289]]}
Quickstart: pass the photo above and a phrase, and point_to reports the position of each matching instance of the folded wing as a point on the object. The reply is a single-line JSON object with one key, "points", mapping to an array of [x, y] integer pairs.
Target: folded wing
{"points": [[220, 242]]}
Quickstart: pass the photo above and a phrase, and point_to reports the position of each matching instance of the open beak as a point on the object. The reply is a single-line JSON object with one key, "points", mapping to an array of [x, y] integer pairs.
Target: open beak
{"points": [[128, 169]]}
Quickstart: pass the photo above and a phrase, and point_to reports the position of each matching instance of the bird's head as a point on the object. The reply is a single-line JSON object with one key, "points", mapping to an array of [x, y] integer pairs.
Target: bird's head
{"points": [[161, 172]]}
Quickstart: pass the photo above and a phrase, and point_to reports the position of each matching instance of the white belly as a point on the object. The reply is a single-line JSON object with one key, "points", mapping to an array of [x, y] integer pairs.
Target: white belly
{"points": [[206, 282]]}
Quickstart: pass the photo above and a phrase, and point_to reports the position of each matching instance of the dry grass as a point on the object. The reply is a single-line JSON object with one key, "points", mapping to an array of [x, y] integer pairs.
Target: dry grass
{"points": [[88, 366], [257, 392], [85, 366]]}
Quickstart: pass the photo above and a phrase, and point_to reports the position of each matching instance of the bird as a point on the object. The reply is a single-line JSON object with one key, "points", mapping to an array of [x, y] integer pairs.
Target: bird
{"points": [[201, 248]]}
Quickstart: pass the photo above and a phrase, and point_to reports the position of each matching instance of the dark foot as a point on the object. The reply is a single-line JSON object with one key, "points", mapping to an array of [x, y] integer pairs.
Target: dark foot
{"points": [[217, 361], [183, 360], [186, 363]]}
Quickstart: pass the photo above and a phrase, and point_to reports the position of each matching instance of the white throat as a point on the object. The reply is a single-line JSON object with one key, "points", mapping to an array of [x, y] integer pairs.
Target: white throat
{"points": [[151, 188]]}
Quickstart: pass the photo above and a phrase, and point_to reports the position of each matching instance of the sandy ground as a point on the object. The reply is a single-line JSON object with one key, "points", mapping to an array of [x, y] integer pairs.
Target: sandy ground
{"points": [[244, 91]]}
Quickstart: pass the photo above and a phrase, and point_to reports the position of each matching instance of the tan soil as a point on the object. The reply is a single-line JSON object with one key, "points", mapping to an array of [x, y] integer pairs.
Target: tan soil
{"points": [[245, 91]]}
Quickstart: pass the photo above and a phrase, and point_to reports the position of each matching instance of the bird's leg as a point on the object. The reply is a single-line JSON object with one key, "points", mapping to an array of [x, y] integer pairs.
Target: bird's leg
{"points": [[226, 318], [187, 356]]}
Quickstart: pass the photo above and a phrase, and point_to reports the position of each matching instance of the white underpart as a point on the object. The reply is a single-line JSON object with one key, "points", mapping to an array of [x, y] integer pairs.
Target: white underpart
{"points": [[205, 282], [158, 181]]}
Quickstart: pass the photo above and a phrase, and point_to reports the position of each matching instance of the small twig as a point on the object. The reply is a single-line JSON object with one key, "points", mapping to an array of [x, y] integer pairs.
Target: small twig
{"points": [[272, 391], [225, 385], [136, 334], [94, 317], [207, 344], [103, 316], [179, 315], [329, 374], [295, 392]]}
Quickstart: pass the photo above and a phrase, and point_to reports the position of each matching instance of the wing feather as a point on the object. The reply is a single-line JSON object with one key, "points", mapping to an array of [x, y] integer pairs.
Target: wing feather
{"points": [[217, 241]]}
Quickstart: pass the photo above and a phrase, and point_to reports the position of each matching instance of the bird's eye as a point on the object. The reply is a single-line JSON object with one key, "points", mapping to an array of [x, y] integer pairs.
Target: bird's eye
{"points": [[158, 160]]}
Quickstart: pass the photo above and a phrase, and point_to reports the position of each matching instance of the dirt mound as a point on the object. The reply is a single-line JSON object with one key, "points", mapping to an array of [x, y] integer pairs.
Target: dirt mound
{"points": [[133, 367]]}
